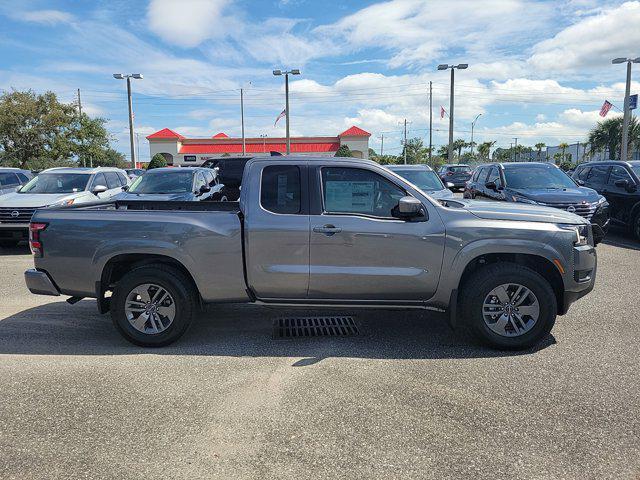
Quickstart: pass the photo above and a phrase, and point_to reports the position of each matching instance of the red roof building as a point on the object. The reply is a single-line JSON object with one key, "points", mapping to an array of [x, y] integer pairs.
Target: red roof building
{"points": [[179, 150]]}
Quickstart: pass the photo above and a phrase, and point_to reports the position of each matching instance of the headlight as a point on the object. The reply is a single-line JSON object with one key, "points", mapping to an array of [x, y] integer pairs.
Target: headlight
{"points": [[581, 233], [519, 199], [64, 203], [601, 200]]}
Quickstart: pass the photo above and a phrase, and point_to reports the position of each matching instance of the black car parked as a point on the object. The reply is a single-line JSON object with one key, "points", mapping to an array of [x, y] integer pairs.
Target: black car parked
{"points": [[457, 174], [230, 171], [540, 184], [619, 182]]}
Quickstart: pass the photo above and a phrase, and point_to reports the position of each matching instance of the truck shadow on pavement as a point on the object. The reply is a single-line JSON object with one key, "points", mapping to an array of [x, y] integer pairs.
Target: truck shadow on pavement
{"points": [[245, 331]]}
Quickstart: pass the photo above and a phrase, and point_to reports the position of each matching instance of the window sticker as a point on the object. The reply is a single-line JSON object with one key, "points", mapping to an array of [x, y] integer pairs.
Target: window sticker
{"points": [[349, 196]]}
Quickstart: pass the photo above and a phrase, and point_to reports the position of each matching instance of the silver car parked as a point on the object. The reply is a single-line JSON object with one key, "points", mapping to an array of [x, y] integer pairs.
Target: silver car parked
{"points": [[55, 187], [12, 178]]}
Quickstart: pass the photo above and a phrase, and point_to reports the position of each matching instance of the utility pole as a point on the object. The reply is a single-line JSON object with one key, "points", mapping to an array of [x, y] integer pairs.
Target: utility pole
{"points": [[138, 144], [382, 145], [405, 141], [80, 121], [515, 150], [430, 119], [460, 66], [242, 120]]}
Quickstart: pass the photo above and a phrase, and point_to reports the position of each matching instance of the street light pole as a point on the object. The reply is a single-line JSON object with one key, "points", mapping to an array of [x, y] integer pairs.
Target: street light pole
{"points": [[138, 76], [460, 66], [244, 149], [473, 124], [627, 112], [286, 73]]}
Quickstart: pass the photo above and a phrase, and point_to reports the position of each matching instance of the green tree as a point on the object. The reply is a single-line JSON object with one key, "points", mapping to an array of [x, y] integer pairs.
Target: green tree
{"points": [[443, 152], [563, 146], [37, 131], [343, 151], [607, 135], [157, 161], [484, 149], [539, 146], [416, 151], [459, 144]]}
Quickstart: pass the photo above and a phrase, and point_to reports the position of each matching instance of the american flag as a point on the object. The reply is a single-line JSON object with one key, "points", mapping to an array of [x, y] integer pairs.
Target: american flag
{"points": [[606, 106], [443, 112], [282, 114]]}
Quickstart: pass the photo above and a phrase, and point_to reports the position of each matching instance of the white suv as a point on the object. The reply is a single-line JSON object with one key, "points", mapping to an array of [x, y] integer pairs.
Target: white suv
{"points": [[52, 187]]}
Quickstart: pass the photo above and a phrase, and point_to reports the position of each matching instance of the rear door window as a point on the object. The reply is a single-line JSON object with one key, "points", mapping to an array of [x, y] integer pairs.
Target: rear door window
{"points": [[494, 176], [597, 175], [582, 173], [280, 189]]}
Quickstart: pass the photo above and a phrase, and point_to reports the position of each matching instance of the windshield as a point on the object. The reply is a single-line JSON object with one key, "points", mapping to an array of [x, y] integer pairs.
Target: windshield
{"points": [[636, 169], [460, 169], [532, 176], [57, 183], [164, 182], [423, 179]]}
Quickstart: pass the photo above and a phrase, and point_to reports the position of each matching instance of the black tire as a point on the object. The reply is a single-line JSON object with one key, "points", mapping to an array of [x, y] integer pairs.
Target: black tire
{"points": [[179, 287], [9, 243], [478, 286]]}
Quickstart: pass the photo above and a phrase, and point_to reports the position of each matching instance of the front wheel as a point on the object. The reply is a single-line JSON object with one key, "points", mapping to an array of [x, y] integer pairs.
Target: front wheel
{"points": [[508, 306], [152, 306]]}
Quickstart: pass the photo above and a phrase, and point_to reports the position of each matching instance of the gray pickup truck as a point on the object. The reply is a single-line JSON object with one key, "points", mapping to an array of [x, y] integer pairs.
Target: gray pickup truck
{"points": [[321, 232]]}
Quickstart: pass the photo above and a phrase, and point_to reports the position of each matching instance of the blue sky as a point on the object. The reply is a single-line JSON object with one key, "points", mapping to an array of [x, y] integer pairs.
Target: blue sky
{"points": [[538, 70]]}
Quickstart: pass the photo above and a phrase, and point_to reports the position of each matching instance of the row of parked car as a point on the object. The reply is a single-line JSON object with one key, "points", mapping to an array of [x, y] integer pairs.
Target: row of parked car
{"points": [[23, 193], [603, 192]]}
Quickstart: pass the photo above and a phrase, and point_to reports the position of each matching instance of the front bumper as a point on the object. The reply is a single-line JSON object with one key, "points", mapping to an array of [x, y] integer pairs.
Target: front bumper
{"points": [[14, 231], [583, 277], [40, 283]]}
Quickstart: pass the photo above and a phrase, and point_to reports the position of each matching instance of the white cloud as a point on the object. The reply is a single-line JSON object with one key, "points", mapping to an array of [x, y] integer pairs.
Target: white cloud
{"points": [[591, 42], [188, 23], [46, 17]]}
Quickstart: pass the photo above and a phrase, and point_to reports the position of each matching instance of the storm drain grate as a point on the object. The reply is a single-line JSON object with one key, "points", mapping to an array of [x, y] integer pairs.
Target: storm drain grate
{"points": [[336, 326]]}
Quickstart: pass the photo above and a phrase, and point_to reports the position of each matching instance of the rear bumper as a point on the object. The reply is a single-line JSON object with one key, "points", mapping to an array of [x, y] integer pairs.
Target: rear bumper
{"points": [[40, 283]]}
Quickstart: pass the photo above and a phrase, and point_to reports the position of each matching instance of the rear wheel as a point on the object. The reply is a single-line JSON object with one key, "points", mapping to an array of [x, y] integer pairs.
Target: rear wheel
{"points": [[508, 306], [152, 306]]}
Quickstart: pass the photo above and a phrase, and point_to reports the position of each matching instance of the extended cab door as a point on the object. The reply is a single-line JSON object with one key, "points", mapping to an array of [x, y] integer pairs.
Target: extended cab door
{"points": [[276, 229], [358, 250]]}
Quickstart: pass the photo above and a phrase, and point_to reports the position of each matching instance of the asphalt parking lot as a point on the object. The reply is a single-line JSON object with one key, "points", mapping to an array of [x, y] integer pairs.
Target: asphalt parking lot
{"points": [[408, 398]]}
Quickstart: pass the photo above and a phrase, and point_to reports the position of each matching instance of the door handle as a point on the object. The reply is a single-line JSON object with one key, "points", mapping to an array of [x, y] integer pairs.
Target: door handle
{"points": [[328, 230]]}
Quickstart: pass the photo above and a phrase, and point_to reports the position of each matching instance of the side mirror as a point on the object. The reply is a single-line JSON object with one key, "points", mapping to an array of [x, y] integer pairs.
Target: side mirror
{"points": [[99, 189], [408, 207], [204, 189], [125, 188], [491, 185], [580, 182], [449, 185], [626, 184]]}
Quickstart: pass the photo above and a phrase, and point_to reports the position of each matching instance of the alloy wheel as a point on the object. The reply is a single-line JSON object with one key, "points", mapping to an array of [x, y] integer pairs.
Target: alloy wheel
{"points": [[150, 308], [510, 310]]}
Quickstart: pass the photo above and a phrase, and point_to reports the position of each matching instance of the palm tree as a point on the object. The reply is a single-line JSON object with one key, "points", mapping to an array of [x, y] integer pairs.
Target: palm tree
{"points": [[458, 145], [563, 146], [539, 146], [485, 148], [607, 135]]}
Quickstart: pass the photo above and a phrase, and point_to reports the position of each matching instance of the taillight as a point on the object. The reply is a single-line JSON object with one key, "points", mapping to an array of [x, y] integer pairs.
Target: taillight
{"points": [[34, 238], [449, 173]]}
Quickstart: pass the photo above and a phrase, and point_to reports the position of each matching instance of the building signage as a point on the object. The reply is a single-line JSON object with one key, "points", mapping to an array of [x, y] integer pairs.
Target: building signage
{"points": [[189, 158]]}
